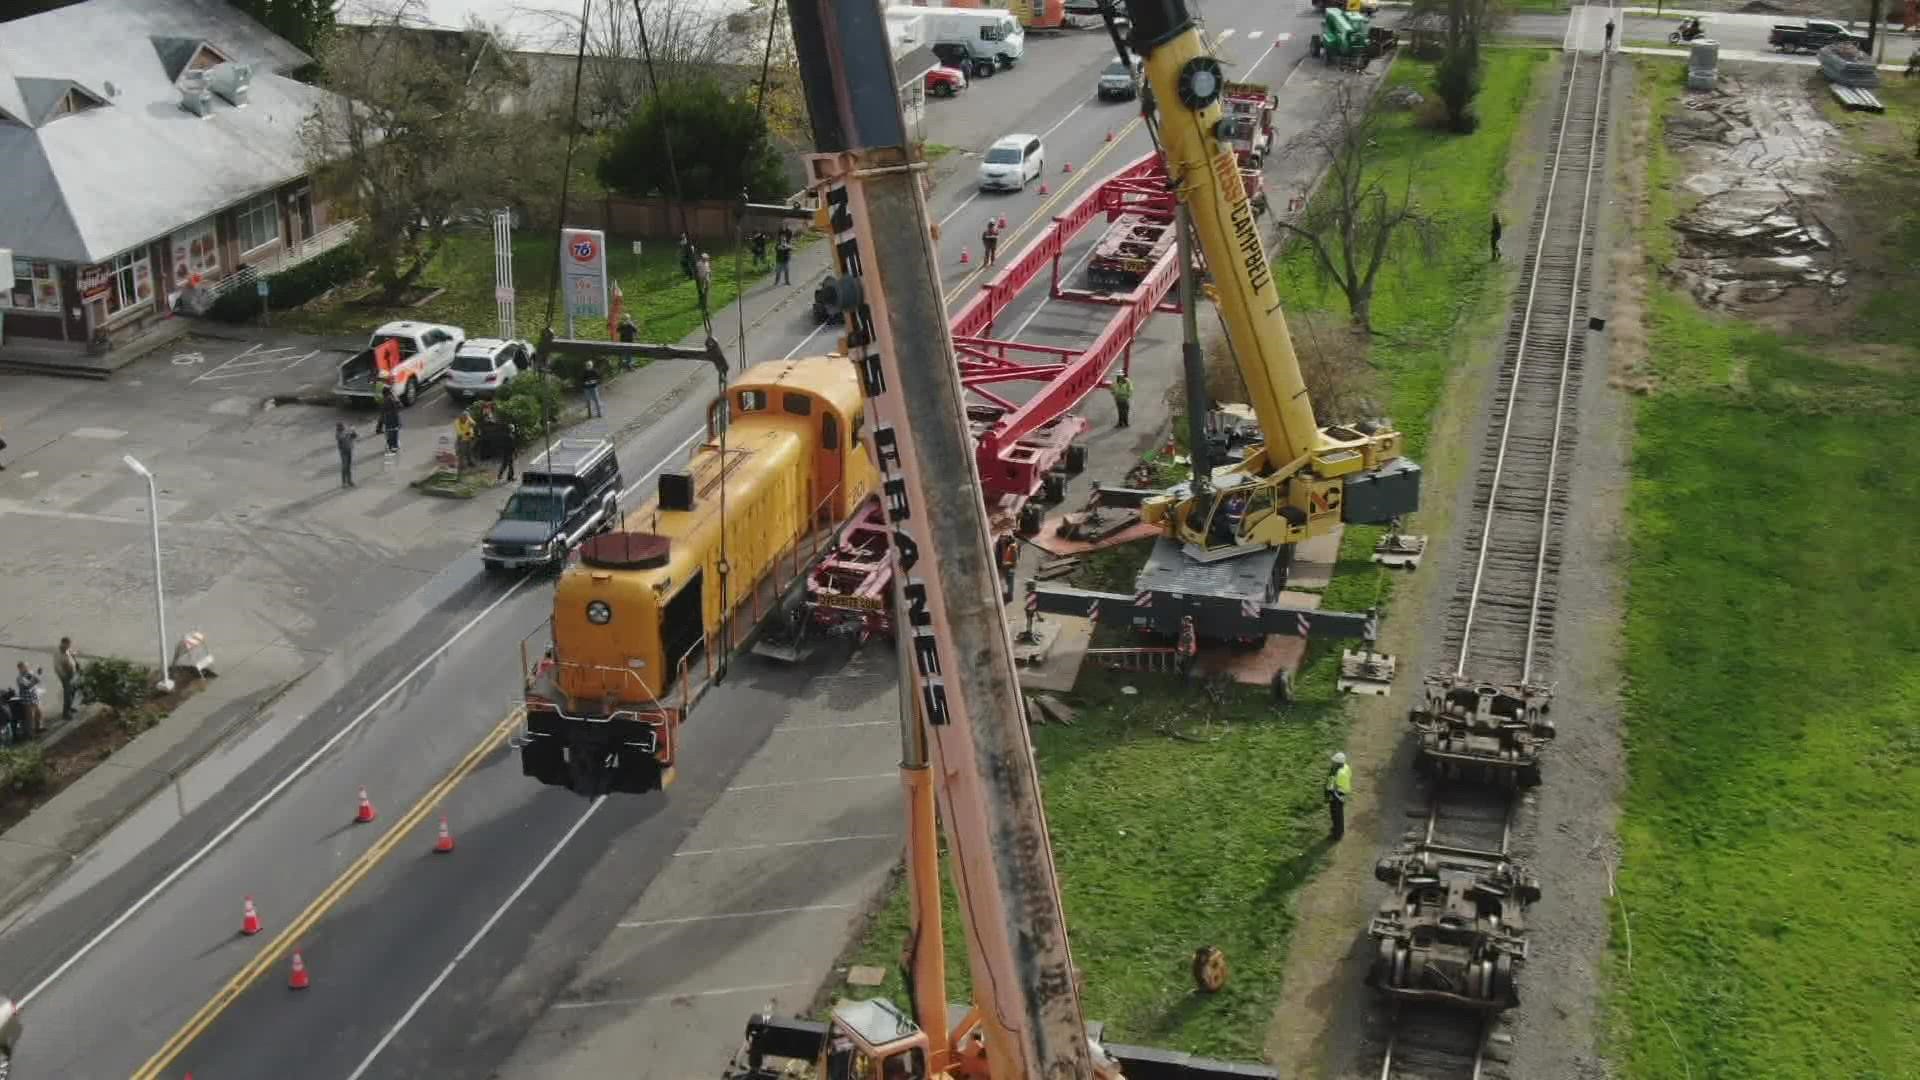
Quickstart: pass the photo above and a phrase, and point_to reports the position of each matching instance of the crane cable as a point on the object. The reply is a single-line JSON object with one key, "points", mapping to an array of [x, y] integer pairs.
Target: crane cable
{"points": [[702, 289]]}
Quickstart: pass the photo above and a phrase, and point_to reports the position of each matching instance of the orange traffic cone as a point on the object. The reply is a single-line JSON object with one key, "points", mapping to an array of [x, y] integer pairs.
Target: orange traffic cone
{"points": [[1043, 187], [1109, 134], [365, 813], [964, 257], [298, 979], [445, 843], [1069, 167], [1003, 223], [250, 920]]}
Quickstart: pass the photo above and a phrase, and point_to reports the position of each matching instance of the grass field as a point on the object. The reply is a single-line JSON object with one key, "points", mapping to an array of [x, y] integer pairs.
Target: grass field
{"points": [[1769, 828], [662, 299], [1178, 821]]}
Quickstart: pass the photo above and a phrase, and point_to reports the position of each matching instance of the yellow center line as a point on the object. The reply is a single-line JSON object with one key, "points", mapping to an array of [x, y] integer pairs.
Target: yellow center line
{"points": [[1046, 208], [328, 898]]}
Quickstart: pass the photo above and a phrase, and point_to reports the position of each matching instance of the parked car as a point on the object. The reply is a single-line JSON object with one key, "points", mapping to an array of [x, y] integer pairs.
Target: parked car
{"points": [[1011, 162], [567, 493], [483, 366], [1122, 78], [406, 357], [1812, 36], [945, 81]]}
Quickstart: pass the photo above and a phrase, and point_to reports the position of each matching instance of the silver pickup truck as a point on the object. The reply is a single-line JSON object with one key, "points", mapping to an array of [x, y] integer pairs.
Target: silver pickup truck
{"points": [[406, 356]]}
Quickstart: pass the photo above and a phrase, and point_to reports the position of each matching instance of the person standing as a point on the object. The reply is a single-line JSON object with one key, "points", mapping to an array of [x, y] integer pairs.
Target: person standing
{"points": [[590, 383], [463, 435], [499, 433], [1122, 398], [66, 664], [389, 420], [990, 241], [343, 438], [629, 330], [26, 687], [1609, 35], [1339, 791], [1494, 238], [783, 259], [1009, 551], [1188, 649], [703, 276], [759, 243], [686, 256]]}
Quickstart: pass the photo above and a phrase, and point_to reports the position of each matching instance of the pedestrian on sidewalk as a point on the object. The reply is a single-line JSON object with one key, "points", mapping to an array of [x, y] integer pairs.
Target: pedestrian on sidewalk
{"points": [[464, 433], [590, 383], [1009, 559], [499, 435], [990, 241], [686, 256], [66, 664], [1494, 238], [343, 438], [1122, 398], [1609, 35], [26, 687], [703, 276], [783, 259], [1339, 790], [759, 243], [389, 423]]}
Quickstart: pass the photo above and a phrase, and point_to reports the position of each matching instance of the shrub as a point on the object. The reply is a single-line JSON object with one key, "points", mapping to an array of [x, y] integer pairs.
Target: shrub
{"points": [[116, 683], [293, 287], [23, 768], [531, 402]]}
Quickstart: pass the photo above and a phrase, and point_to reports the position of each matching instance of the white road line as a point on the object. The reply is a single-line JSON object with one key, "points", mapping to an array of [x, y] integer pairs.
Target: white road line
{"points": [[1224, 35], [180, 869], [829, 727], [684, 443], [857, 838], [809, 783], [964, 203], [1254, 35], [721, 992], [685, 919], [249, 351], [803, 341], [478, 936]]}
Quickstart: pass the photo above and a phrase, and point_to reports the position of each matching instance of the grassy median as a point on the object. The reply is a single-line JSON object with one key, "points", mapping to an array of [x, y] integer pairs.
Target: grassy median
{"points": [[1769, 828], [1182, 819]]}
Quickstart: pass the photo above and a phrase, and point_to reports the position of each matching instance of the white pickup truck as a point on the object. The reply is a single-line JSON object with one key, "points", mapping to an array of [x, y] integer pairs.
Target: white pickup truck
{"points": [[407, 356]]}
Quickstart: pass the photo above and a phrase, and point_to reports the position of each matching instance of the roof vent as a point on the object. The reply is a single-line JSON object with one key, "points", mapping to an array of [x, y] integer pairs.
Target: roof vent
{"points": [[231, 82], [194, 95], [676, 491], [626, 551]]}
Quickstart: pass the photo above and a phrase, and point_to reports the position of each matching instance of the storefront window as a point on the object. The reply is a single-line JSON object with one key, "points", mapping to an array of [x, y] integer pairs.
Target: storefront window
{"points": [[257, 222], [119, 285], [195, 252], [36, 287]]}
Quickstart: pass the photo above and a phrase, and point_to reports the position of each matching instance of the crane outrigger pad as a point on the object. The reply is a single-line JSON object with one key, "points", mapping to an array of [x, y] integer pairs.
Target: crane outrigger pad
{"points": [[1363, 671], [1399, 550]]}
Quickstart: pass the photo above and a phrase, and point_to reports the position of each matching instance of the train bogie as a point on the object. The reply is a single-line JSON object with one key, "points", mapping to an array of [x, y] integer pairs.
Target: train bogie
{"points": [[1481, 732], [1455, 930]]}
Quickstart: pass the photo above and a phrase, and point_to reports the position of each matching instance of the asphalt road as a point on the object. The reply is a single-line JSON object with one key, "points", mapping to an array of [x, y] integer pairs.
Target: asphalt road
{"points": [[416, 709]]}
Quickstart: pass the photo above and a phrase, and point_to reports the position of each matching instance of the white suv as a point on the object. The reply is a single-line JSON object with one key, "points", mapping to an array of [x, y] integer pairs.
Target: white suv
{"points": [[1011, 162], [483, 365]]}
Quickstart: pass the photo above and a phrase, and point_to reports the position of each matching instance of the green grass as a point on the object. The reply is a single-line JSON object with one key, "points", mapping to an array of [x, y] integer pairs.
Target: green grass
{"points": [[1769, 827], [1177, 822], [661, 298]]}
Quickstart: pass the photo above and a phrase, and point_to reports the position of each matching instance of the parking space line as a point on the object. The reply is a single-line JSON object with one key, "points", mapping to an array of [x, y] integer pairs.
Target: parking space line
{"points": [[810, 783], [683, 920], [1254, 35], [830, 727], [252, 361], [1224, 35], [855, 838], [651, 998]]}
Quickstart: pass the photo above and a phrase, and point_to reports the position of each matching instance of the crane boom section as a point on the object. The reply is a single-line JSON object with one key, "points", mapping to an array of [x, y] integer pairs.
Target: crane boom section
{"points": [[1206, 173]]}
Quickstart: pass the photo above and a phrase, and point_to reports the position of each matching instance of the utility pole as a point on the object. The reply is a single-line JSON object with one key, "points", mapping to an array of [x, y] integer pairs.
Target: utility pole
{"points": [[969, 695]]}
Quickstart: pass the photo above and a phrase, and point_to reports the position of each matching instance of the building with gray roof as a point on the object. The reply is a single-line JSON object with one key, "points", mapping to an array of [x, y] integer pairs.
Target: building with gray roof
{"points": [[146, 146]]}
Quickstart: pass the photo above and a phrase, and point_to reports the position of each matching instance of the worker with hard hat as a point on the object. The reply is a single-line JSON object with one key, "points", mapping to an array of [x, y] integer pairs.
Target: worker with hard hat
{"points": [[1339, 790]]}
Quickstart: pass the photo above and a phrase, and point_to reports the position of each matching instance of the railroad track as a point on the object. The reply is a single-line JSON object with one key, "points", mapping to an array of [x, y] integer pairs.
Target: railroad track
{"points": [[1501, 620]]}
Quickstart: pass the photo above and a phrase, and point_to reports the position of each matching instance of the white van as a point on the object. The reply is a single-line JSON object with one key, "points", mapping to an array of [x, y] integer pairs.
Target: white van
{"points": [[1011, 162], [990, 37]]}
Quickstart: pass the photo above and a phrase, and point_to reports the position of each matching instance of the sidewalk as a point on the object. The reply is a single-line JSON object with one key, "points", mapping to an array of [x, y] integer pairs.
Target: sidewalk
{"points": [[262, 550]]}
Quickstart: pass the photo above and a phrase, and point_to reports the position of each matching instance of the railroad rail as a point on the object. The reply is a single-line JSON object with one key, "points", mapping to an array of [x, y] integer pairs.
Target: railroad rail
{"points": [[1498, 637]]}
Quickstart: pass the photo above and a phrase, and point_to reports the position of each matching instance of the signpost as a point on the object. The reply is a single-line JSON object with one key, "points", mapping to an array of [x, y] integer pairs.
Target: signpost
{"points": [[503, 271], [260, 288], [583, 275]]}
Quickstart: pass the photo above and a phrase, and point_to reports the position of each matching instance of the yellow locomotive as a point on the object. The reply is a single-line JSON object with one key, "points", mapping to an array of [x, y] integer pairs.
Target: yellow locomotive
{"points": [[641, 621]]}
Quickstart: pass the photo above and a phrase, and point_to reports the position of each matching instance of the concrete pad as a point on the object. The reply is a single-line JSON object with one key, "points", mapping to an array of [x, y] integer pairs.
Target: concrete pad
{"points": [[808, 815], [1061, 667], [810, 755], [733, 885], [1313, 561]]}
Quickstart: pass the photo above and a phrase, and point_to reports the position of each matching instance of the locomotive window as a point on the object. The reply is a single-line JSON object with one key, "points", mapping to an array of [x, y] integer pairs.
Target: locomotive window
{"points": [[752, 400], [829, 432], [798, 404]]}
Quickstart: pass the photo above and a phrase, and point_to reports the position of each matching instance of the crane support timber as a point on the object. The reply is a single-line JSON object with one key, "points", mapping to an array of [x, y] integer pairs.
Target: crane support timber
{"points": [[962, 656]]}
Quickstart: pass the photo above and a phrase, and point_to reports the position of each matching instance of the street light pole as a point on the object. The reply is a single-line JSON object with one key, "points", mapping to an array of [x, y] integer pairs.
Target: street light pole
{"points": [[159, 596]]}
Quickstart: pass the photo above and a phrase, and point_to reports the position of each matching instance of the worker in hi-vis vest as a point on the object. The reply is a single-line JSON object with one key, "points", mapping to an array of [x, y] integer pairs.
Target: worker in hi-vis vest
{"points": [[1339, 790]]}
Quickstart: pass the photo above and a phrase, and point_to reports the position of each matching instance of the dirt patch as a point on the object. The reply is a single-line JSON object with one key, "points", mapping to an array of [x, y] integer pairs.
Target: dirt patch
{"points": [[95, 739], [1627, 359], [1763, 240]]}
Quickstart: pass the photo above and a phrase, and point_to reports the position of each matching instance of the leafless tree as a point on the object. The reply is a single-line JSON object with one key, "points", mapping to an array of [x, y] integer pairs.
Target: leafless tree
{"points": [[1361, 216]]}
